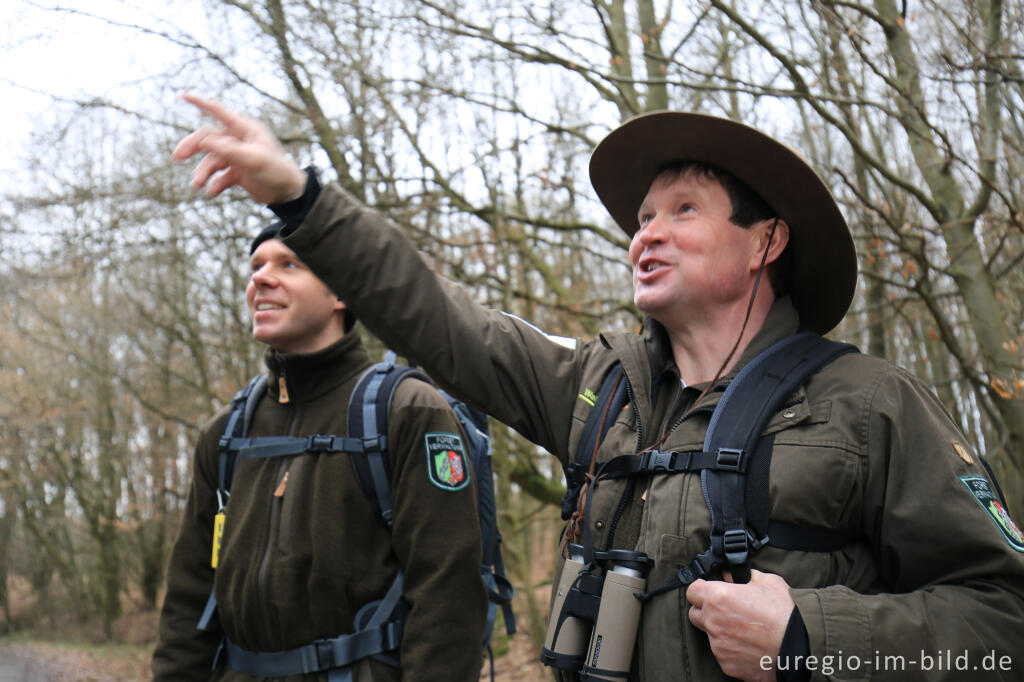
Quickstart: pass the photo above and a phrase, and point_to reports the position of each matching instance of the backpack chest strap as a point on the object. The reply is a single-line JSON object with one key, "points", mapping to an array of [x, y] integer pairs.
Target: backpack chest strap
{"points": [[282, 446], [672, 462]]}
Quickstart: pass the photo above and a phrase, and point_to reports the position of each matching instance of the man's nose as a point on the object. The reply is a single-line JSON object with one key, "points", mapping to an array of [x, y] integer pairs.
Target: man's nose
{"points": [[651, 232], [264, 276]]}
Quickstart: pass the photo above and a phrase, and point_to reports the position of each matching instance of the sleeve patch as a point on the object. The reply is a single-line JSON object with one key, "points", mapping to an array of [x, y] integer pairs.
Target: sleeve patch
{"points": [[981, 490], [446, 461]]}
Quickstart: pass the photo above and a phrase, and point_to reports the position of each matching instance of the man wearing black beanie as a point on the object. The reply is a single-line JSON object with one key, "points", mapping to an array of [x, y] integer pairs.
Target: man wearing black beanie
{"points": [[283, 578]]}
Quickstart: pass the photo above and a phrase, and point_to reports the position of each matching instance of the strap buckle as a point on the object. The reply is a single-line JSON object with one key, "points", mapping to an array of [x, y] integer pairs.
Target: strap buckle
{"points": [[319, 443], [731, 459], [574, 474], [324, 654], [374, 443], [657, 460], [735, 546]]}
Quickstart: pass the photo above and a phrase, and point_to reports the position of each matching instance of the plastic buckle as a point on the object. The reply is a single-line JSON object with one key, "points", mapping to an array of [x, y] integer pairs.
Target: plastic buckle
{"points": [[660, 461], [730, 459], [736, 546], [319, 443], [691, 573], [224, 442], [324, 654], [374, 443], [574, 473]]}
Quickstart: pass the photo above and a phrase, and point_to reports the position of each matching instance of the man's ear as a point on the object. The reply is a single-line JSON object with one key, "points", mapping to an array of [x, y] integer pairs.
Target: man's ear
{"points": [[339, 305], [779, 240]]}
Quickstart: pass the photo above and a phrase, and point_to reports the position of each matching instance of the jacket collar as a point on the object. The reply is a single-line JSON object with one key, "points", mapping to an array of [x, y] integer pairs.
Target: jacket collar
{"points": [[648, 362], [303, 377]]}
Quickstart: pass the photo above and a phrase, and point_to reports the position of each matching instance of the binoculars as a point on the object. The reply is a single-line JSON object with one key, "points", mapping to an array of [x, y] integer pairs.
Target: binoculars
{"points": [[596, 613]]}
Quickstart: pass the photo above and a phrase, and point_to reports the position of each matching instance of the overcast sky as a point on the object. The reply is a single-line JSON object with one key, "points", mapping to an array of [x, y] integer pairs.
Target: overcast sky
{"points": [[71, 54]]}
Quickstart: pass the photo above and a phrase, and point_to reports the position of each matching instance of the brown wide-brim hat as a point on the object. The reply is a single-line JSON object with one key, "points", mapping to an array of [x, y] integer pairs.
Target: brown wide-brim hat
{"points": [[823, 275]]}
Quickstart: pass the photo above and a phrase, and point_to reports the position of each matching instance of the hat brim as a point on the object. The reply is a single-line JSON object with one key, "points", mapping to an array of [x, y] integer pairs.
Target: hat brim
{"points": [[824, 261]]}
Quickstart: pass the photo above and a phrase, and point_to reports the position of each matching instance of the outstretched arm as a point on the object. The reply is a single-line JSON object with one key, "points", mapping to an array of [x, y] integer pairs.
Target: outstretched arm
{"points": [[498, 363]]}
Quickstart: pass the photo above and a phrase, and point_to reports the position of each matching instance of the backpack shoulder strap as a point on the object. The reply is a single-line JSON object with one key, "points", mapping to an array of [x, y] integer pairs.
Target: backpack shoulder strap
{"points": [[492, 567], [737, 489], [743, 458], [611, 398], [368, 411], [243, 405]]}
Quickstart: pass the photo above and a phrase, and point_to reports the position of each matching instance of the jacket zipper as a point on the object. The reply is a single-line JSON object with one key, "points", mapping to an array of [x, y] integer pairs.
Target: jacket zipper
{"points": [[272, 532], [282, 387], [279, 491]]}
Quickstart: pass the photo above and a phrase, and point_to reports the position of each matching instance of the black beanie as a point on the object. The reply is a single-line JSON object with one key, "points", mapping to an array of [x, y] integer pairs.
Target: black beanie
{"points": [[273, 231], [269, 232]]}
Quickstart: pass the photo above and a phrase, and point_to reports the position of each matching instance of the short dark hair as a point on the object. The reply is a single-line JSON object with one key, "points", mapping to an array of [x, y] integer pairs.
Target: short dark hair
{"points": [[748, 207]]}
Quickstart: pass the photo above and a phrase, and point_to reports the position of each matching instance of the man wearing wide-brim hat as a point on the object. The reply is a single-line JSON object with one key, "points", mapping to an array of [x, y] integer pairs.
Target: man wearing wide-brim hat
{"points": [[737, 245]]}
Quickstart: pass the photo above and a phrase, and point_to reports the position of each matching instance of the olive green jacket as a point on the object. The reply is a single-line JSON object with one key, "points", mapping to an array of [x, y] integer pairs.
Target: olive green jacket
{"points": [[863, 445], [300, 558]]}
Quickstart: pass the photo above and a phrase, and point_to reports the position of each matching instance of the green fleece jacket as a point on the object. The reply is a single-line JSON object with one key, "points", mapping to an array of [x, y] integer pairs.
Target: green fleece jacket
{"points": [[303, 549], [863, 445]]}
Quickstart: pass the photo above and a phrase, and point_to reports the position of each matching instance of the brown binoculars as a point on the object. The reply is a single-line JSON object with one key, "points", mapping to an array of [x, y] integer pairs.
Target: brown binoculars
{"points": [[596, 613]]}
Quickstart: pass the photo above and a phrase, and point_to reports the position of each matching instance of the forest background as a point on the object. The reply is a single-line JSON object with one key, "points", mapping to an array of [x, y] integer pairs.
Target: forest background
{"points": [[470, 124]]}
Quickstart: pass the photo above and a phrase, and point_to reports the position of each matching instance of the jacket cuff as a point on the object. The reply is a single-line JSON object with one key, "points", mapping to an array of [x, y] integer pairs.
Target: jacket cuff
{"points": [[292, 213], [839, 633], [791, 663]]}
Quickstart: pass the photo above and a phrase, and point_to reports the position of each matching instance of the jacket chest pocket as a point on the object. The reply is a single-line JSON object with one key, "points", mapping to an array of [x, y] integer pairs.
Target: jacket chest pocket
{"points": [[814, 480], [816, 473]]}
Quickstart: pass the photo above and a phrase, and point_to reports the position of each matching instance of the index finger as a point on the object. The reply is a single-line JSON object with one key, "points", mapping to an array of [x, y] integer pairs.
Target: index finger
{"points": [[190, 144], [214, 108]]}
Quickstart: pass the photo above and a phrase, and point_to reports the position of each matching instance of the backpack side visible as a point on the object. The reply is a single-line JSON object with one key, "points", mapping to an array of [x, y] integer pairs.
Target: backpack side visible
{"points": [[369, 407]]}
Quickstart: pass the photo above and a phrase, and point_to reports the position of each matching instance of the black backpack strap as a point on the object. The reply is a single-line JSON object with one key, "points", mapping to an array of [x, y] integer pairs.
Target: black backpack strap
{"points": [[281, 446], [243, 405], [801, 538], [657, 462], [611, 398], [492, 566], [992, 477], [740, 477], [378, 634], [736, 426], [368, 411]]}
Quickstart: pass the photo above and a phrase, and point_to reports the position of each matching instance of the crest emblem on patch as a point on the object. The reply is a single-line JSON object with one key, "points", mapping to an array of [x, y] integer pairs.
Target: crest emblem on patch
{"points": [[982, 491], [446, 461]]}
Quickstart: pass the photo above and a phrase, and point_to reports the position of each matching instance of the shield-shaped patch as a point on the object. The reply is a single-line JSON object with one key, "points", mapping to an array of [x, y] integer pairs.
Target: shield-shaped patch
{"points": [[446, 461], [982, 491]]}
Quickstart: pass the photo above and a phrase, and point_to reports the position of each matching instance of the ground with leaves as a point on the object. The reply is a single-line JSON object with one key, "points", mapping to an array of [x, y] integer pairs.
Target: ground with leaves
{"points": [[37, 661]]}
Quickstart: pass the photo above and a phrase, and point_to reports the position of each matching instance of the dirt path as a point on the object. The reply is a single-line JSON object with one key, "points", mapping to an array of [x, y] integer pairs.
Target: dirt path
{"points": [[44, 662], [17, 665], [49, 662]]}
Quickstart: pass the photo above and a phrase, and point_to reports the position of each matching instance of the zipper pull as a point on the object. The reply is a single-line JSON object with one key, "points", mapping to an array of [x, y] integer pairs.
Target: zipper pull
{"points": [[281, 486], [282, 390]]}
